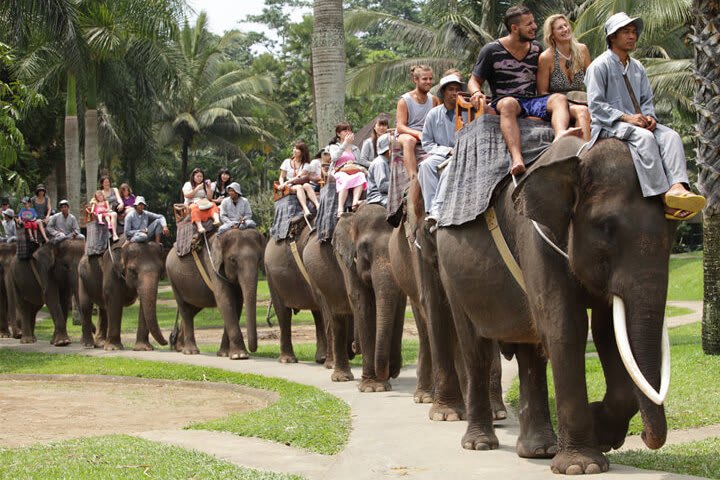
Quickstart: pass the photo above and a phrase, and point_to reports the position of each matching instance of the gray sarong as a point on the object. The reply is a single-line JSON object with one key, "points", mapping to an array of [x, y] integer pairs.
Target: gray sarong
{"points": [[327, 213], [481, 161], [286, 209], [97, 238]]}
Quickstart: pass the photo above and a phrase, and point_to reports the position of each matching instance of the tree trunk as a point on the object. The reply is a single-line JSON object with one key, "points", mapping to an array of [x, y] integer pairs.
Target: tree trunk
{"points": [[91, 152], [72, 147], [328, 64], [184, 154], [706, 40]]}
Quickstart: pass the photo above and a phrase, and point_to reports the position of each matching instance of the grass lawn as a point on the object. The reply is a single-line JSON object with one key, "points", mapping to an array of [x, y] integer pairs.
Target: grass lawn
{"points": [[693, 458], [304, 416], [686, 277], [694, 387], [120, 457]]}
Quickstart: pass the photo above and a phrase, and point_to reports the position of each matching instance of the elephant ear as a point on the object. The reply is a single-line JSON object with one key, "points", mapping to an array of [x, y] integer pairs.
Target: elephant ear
{"points": [[548, 191], [45, 260], [217, 250], [344, 243]]}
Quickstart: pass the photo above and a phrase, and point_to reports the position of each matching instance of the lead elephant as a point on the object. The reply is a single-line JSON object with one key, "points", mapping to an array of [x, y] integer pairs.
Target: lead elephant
{"points": [[441, 373], [9, 325], [115, 280], [232, 267], [49, 278], [290, 291], [361, 246], [618, 244]]}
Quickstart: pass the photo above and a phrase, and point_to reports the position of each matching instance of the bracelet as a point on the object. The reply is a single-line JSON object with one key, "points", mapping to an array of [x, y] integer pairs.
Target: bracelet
{"points": [[473, 94]]}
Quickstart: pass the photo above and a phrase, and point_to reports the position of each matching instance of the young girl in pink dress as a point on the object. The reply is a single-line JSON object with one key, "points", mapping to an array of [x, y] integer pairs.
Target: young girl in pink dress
{"points": [[349, 175], [101, 208]]}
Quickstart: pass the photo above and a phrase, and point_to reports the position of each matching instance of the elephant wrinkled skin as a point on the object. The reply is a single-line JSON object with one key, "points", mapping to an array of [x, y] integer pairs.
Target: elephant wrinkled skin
{"points": [[618, 244], [9, 325]]}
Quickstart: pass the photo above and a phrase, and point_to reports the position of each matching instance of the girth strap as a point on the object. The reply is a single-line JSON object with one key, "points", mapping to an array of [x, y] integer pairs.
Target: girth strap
{"points": [[502, 246], [201, 269], [299, 262]]}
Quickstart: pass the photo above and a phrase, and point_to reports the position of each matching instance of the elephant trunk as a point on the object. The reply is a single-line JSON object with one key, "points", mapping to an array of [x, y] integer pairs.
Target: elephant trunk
{"points": [[645, 351], [386, 307], [248, 283], [147, 293]]}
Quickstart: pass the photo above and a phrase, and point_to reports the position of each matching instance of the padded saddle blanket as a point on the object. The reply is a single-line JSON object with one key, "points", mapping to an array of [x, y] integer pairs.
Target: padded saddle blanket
{"points": [[327, 213], [399, 181], [97, 238], [482, 160], [286, 209]]}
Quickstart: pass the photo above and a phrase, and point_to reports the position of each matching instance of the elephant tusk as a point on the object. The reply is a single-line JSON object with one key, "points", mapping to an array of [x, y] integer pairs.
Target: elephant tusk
{"points": [[623, 344]]}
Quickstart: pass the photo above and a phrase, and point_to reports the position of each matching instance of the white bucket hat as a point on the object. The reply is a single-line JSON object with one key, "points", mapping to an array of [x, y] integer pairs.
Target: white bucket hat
{"points": [[619, 20], [140, 199], [445, 81], [383, 143], [235, 186]]}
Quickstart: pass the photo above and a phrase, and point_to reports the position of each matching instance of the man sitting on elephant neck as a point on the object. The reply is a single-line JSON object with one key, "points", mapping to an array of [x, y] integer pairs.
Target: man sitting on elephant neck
{"points": [[620, 99], [141, 226], [63, 225], [379, 173], [235, 211], [9, 225]]}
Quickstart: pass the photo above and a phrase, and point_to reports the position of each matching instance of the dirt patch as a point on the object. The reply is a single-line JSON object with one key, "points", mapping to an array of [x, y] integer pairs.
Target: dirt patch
{"points": [[41, 408]]}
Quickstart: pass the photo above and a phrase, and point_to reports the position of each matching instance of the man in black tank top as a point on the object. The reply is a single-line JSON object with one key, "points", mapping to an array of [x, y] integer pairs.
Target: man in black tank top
{"points": [[509, 64]]}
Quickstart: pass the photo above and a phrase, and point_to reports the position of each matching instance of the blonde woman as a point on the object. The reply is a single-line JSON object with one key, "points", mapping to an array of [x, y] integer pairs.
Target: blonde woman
{"points": [[561, 67]]}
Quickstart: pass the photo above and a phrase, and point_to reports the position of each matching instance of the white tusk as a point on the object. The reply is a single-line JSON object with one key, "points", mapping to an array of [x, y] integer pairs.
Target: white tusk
{"points": [[623, 344]]}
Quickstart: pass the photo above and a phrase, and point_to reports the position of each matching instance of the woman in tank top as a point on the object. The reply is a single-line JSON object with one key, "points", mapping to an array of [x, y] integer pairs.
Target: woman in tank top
{"points": [[41, 204], [561, 67]]}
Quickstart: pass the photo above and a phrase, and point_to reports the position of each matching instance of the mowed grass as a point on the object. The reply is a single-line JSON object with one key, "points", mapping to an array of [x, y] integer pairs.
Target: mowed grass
{"points": [[303, 416], [120, 457], [686, 277], [701, 458], [694, 387]]}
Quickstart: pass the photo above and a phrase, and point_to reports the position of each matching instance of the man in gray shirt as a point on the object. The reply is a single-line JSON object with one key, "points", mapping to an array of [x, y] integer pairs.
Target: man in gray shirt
{"points": [[142, 226], [235, 211], [379, 173], [63, 225]]}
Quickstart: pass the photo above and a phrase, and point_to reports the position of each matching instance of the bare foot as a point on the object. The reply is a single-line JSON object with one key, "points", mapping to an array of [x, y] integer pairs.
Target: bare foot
{"points": [[574, 131]]}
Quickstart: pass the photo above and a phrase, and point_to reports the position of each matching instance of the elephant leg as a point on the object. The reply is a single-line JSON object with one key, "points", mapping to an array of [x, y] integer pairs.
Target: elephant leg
{"points": [[612, 415], [4, 313], [424, 387], [320, 337], [114, 313], [496, 397], [230, 307], [328, 327], [85, 306], [537, 438], [59, 315], [187, 314], [103, 325], [13, 318], [396, 359], [27, 313], [142, 337], [341, 372], [284, 316]]}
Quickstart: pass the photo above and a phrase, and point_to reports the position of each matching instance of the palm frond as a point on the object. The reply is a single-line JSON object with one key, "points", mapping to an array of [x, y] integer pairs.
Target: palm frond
{"points": [[371, 77], [420, 36]]}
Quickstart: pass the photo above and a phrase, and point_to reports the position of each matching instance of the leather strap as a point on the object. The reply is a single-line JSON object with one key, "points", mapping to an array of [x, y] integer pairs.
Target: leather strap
{"points": [[299, 262], [633, 98], [502, 246], [201, 269]]}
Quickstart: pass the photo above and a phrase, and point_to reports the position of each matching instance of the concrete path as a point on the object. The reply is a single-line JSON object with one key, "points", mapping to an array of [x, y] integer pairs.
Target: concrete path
{"points": [[391, 437]]}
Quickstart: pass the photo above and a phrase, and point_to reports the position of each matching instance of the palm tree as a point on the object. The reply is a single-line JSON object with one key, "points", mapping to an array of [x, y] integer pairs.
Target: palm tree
{"points": [[707, 74], [212, 101], [328, 64]]}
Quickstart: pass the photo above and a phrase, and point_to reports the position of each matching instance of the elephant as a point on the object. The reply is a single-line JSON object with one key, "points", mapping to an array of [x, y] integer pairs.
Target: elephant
{"points": [[49, 278], [123, 274], [441, 375], [618, 245], [9, 326], [290, 291], [232, 267], [361, 242]]}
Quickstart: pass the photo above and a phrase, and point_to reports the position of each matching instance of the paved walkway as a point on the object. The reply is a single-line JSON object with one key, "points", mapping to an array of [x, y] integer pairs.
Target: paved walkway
{"points": [[391, 437]]}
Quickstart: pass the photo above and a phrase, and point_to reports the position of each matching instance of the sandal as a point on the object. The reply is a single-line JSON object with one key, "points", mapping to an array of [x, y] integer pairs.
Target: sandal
{"points": [[678, 214], [687, 201]]}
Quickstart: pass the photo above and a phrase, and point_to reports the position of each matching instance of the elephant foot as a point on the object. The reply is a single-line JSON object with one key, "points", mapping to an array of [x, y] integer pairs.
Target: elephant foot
{"points": [[368, 385], [239, 355], [60, 341], [109, 346], [100, 341], [329, 364], [447, 413], [28, 339], [191, 350], [5, 334], [422, 396], [342, 375], [89, 343], [287, 358], [610, 432], [579, 461], [17, 334], [223, 352], [541, 444], [143, 347], [499, 412], [476, 438], [320, 357]]}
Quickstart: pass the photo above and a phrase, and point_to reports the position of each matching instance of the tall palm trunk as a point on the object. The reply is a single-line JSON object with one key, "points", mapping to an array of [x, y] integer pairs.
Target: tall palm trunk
{"points": [[328, 66], [72, 147], [91, 141], [706, 40]]}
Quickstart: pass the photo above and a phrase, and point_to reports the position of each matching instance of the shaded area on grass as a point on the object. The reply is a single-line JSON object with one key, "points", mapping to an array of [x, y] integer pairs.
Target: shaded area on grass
{"points": [[121, 457], [694, 388], [700, 458], [686, 277], [304, 416]]}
